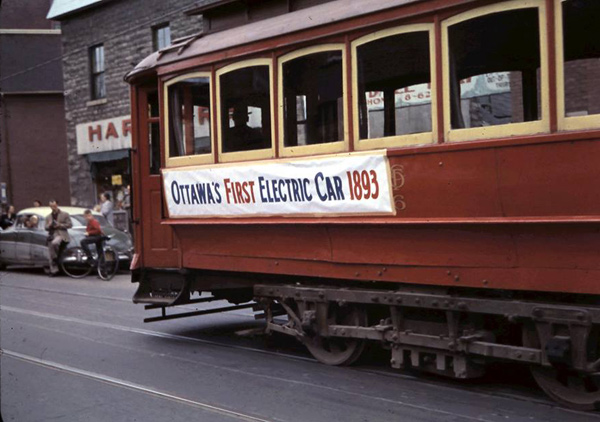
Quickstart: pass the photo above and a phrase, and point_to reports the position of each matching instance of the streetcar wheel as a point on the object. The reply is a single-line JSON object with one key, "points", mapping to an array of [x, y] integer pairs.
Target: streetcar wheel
{"points": [[74, 263], [569, 388], [108, 264], [334, 350]]}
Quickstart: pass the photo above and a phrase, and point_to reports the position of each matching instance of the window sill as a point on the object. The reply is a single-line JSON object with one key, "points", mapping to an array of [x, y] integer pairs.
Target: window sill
{"points": [[96, 102]]}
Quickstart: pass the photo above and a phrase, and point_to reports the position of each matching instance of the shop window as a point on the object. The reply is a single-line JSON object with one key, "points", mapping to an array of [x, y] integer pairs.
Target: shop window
{"points": [[394, 86], [313, 99], [98, 90], [494, 69], [189, 130], [161, 36], [245, 115], [581, 41]]}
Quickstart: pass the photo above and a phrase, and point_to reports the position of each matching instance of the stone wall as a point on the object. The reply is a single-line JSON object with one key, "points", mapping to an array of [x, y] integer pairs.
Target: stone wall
{"points": [[125, 29]]}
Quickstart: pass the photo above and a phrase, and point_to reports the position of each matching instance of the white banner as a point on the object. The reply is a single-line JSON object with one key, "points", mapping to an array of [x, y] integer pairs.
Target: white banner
{"points": [[104, 135], [348, 184]]}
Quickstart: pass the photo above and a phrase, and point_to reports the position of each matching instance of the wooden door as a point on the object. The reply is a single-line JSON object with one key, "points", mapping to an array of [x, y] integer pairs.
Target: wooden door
{"points": [[156, 241]]}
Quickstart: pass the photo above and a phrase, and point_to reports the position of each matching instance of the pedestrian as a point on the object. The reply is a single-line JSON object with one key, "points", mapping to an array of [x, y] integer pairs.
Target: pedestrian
{"points": [[93, 234], [37, 203], [57, 224], [126, 205], [7, 219], [107, 208]]}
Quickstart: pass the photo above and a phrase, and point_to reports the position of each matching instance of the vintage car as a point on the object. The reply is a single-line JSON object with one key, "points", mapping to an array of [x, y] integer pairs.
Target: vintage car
{"points": [[24, 243]]}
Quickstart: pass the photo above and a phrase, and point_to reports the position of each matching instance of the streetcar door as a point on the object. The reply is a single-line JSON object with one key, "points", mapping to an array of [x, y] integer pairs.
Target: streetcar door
{"points": [[158, 243]]}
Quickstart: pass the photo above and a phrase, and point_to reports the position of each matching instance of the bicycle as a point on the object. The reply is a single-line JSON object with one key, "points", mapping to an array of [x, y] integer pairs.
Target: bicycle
{"points": [[75, 263]]}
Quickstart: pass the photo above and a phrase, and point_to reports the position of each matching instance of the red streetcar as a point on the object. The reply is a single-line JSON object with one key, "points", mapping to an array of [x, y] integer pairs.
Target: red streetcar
{"points": [[417, 173]]}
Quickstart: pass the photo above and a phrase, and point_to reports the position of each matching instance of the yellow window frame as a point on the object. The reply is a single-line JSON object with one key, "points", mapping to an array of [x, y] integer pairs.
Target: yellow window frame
{"points": [[591, 121], [510, 129], [246, 155], [187, 160], [399, 140], [328, 148]]}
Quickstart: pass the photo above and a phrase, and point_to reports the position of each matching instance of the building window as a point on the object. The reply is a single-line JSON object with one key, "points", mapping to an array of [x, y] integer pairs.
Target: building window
{"points": [[161, 36], [97, 68]]}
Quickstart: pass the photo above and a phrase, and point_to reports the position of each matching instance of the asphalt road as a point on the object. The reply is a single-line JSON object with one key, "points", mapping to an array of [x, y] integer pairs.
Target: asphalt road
{"points": [[77, 350]]}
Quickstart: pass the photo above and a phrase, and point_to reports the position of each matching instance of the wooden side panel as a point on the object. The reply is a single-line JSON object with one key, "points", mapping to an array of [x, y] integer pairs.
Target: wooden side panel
{"points": [[295, 242], [160, 236], [536, 180], [446, 184], [530, 279], [426, 245], [550, 179]]}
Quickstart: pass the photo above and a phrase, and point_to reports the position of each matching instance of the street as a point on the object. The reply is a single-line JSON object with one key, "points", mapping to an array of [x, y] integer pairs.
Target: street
{"points": [[77, 350]]}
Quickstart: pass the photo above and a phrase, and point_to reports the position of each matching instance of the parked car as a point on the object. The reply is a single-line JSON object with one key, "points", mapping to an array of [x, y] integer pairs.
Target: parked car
{"points": [[24, 243]]}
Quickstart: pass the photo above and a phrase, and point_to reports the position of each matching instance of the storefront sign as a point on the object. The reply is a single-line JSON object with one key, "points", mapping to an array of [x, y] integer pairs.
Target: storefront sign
{"points": [[476, 86], [337, 185], [104, 135]]}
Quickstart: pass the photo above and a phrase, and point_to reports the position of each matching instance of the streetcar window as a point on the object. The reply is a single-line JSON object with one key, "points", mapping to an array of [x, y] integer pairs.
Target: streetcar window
{"points": [[153, 132], [153, 103], [313, 99], [189, 117], [494, 73], [154, 147], [394, 86], [581, 40], [245, 96]]}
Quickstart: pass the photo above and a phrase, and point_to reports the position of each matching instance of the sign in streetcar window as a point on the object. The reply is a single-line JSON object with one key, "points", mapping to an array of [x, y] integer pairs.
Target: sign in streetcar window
{"points": [[341, 185]]}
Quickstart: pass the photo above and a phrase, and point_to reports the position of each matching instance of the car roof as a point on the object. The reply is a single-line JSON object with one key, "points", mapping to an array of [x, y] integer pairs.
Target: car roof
{"points": [[44, 211]]}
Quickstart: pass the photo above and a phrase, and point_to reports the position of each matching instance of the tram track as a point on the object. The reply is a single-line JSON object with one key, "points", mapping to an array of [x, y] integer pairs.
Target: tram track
{"points": [[130, 385], [124, 383], [438, 383], [87, 295], [109, 298]]}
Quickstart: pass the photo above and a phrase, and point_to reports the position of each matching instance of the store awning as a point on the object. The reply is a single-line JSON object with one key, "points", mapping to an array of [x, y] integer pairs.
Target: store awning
{"points": [[99, 157]]}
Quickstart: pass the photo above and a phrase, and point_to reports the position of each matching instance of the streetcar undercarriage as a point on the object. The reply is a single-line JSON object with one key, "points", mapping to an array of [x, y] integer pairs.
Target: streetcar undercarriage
{"points": [[431, 329]]}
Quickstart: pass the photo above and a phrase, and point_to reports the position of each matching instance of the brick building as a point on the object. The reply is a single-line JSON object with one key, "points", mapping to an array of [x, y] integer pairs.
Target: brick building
{"points": [[33, 153], [102, 40]]}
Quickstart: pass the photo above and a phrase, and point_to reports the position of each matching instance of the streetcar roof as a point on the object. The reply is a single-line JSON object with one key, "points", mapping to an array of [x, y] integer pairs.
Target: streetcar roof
{"points": [[196, 45]]}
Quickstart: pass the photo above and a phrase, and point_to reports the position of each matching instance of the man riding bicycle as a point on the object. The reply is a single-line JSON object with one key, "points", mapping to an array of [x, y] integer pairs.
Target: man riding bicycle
{"points": [[93, 233]]}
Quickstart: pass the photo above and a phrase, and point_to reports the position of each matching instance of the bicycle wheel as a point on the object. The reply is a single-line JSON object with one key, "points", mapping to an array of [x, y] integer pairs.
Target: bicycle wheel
{"points": [[108, 264], [74, 263]]}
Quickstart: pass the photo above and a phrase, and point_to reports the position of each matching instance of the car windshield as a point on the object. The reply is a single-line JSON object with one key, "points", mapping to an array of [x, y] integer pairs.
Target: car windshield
{"points": [[79, 220]]}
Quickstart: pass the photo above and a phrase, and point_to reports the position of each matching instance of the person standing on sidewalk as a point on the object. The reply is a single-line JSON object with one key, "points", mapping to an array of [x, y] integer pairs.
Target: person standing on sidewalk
{"points": [[107, 208], [57, 224], [8, 219]]}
